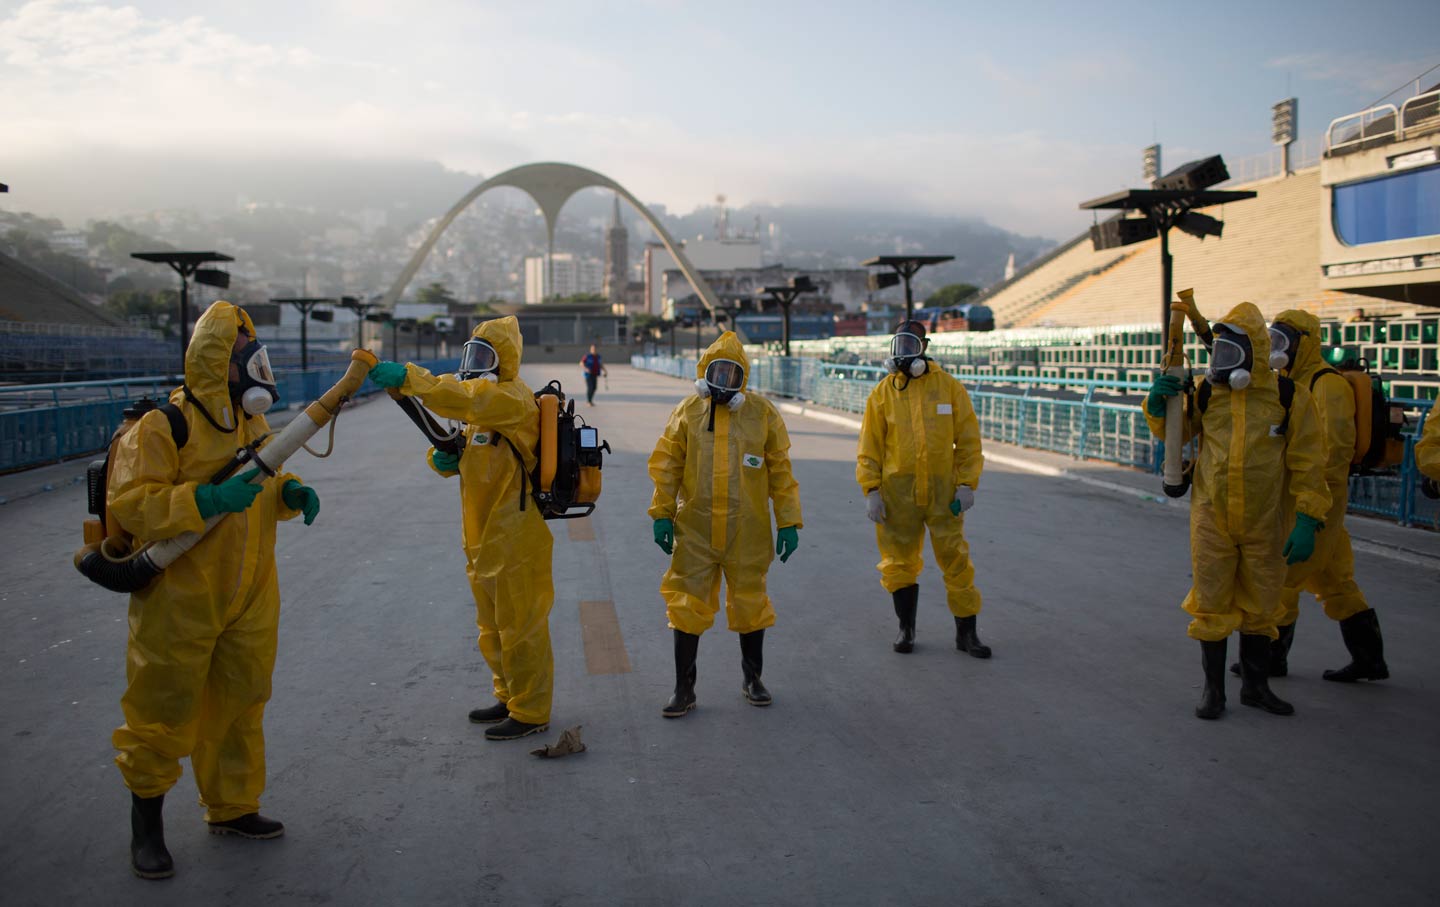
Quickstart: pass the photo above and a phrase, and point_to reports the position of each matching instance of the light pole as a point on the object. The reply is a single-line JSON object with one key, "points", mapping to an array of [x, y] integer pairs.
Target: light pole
{"points": [[304, 305], [187, 265], [903, 267], [1170, 202], [785, 294]]}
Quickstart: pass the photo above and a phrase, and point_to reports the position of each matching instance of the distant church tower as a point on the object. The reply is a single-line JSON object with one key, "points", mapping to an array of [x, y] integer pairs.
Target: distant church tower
{"points": [[617, 258]]}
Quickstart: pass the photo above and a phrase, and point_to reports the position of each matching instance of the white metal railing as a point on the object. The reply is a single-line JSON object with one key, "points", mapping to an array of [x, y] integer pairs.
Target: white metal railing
{"points": [[1365, 126], [1421, 110], [1304, 152]]}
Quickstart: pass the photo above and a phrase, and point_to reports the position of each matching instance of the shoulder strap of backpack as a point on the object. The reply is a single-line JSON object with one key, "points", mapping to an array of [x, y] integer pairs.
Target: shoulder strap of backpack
{"points": [[179, 428], [1287, 397], [1320, 374], [520, 461], [1202, 396]]}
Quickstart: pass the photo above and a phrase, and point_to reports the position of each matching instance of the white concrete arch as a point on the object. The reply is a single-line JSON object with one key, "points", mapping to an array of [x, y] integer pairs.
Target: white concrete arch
{"points": [[551, 185]]}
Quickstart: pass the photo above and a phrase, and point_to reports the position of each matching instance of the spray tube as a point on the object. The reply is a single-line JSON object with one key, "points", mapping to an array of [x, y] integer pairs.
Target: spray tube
{"points": [[103, 562], [1176, 480]]}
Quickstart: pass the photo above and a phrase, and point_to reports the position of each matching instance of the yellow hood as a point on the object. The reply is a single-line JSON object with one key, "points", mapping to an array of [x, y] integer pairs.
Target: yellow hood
{"points": [[207, 358], [504, 335], [1247, 317], [1308, 357], [726, 346]]}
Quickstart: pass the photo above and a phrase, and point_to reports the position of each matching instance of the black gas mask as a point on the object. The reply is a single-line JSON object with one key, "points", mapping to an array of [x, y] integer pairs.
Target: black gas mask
{"points": [[1231, 359], [478, 359], [1284, 343], [255, 391]]}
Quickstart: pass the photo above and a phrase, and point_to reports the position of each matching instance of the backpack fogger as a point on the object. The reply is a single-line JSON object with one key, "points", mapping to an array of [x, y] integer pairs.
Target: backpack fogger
{"points": [[565, 483], [97, 474], [1379, 424], [110, 557]]}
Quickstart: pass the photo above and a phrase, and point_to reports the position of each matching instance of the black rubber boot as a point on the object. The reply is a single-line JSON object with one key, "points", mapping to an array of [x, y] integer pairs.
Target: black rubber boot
{"points": [[510, 729], [752, 661], [149, 858], [1255, 676], [687, 647], [1212, 659], [491, 715], [1279, 653], [966, 640], [1361, 633], [250, 825], [907, 601]]}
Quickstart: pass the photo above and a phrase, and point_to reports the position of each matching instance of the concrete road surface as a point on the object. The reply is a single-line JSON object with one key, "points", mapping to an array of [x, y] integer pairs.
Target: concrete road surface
{"points": [[1069, 769]]}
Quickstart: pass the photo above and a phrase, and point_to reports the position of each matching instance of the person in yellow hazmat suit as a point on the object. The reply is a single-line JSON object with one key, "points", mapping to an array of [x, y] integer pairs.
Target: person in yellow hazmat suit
{"points": [[202, 636], [723, 456], [918, 465], [1427, 451], [1251, 445], [507, 544], [1330, 573]]}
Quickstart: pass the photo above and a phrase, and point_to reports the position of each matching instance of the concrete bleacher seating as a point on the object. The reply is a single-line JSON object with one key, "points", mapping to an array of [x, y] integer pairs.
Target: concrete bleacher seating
{"points": [[1269, 255]]}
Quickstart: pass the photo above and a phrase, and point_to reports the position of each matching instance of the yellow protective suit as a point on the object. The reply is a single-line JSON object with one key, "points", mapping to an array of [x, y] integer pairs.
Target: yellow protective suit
{"points": [[714, 486], [1330, 573], [507, 549], [202, 636], [1427, 449], [917, 445], [1239, 515]]}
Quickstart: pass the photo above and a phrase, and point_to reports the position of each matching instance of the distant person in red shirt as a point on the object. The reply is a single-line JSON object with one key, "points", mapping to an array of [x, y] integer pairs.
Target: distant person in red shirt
{"points": [[594, 368]]}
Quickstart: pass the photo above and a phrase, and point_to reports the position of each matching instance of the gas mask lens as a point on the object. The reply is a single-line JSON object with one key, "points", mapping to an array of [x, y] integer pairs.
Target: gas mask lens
{"points": [[1284, 340], [478, 358], [906, 346], [256, 362], [725, 376], [1230, 360], [255, 391]]}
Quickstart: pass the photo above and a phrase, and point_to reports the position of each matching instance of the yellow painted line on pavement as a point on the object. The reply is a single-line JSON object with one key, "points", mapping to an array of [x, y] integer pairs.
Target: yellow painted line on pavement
{"points": [[604, 646]]}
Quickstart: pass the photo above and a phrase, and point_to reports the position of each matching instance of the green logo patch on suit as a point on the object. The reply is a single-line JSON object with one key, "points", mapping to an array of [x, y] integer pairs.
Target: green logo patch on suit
{"points": [[482, 438], [753, 461]]}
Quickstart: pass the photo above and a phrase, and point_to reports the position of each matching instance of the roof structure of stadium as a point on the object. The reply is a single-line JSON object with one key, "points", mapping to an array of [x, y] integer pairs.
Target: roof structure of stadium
{"points": [[33, 296], [1269, 255]]}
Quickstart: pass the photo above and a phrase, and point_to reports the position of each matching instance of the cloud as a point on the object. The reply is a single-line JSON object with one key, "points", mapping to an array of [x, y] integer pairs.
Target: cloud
{"points": [[1375, 74], [95, 75]]}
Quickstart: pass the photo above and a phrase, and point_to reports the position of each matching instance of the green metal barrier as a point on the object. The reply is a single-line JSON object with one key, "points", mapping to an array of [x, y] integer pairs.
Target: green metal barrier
{"points": [[47, 423], [1087, 419]]}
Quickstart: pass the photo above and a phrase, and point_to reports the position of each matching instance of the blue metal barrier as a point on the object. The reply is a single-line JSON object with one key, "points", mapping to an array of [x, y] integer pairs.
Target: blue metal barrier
{"points": [[46, 423], [1086, 419]]}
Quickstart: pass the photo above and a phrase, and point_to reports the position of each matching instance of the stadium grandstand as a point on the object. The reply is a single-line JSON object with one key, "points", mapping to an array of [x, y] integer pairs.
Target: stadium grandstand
{"points": [[1353, 236], [49, 332]]}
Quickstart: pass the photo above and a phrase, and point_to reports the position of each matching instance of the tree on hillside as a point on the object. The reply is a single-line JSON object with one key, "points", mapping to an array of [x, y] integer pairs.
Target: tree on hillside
{"points": [[435, 294], [152, 309], [578, 297], [951, 294]]}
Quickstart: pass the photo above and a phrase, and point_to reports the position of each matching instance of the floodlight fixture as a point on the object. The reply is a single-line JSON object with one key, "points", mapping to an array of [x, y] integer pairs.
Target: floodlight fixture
{"points": [[186, 264], [785, 294], [905, 267], [364, 311], [882, 281], [1200, 225], [1150, 163], [213, 277], [1284, 124], [1170, 203]]}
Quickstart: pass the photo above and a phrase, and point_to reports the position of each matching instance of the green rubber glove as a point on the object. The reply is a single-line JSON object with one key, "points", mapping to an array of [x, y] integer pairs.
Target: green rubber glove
{"points": [[1301, 543], [230, 496], [787, 539], [445, 462], [302, 498], [388, 374], [1164, 387], [665, 535]]}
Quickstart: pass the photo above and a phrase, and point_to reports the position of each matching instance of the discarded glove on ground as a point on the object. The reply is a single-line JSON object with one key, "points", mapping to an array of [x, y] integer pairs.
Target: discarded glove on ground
{"points": [[568, 743]]}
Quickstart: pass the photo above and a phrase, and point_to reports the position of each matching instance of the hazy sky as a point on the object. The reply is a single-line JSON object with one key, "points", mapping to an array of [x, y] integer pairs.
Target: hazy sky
{"points": [[1011, 111]]}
